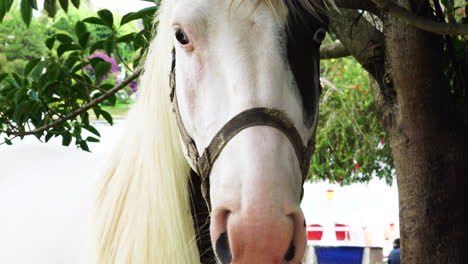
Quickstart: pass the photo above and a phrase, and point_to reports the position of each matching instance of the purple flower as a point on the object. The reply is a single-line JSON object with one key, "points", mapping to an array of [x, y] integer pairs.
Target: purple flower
{"points": [[133, 86], [114, 68]]}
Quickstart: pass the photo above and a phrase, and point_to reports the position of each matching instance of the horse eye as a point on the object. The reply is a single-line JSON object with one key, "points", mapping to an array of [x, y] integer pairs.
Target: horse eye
{"points": [[319, 35], [181, 37]]}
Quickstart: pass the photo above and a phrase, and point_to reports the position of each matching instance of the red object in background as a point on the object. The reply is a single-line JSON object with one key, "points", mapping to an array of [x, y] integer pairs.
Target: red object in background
{"points": [[357, 87], [342, 232], [383, 141], [357, 166], [314, 232]]}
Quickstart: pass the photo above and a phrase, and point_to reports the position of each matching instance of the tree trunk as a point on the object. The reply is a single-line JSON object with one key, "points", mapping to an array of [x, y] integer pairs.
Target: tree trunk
{"points": [[429, 144], [428, 132]]}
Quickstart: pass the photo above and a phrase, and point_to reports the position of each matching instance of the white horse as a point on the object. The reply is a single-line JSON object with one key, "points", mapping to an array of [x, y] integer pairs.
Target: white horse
{"points": [[230, 92]]}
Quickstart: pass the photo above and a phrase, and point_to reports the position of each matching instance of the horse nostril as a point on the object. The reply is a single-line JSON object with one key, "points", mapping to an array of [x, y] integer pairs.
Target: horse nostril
{"points": [[291, 252], [223, 250]]}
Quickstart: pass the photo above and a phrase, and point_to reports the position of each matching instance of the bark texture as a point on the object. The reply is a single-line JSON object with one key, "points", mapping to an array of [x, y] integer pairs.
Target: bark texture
{"points": [[428, 139]]}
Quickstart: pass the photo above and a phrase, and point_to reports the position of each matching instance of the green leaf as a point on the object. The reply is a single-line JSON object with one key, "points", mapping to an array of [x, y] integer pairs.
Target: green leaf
{"points": [[80, 28], [48, 137], [21, 112], [33, 3], [53, 72], [112, 99], [96, 46], [107, 117], [84, 145], [17, 78], [37, 71], [26, 11], [64, 4], [5, 6], [97, 111], [76, 3], [66, 47], [50, 42], [139, 41], [8, 4], [64, 38], [102, 69], [108, 47], [71, 60], [107, 86], [126, 38], [84, 118], [51, 7], [92, 139], [84, 39], [30, 66], [66, 139], [95, 61], [8, 142], [94, 20], [92, 130], [107, 17], [150, 11], [3, 76], [2, 11]]}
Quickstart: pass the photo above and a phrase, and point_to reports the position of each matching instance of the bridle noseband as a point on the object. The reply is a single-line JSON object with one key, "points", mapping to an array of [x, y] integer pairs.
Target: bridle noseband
{"points": [[259, 116]]}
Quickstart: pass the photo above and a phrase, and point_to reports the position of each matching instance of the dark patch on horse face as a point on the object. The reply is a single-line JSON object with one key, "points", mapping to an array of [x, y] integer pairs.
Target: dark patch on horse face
{"points": [[304, 59], [223, 250], [291, 252]]}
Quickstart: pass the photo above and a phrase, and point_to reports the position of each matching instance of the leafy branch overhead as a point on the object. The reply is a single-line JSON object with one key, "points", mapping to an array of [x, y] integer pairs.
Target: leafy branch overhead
{"points": [[54, 96], [52, 7]]}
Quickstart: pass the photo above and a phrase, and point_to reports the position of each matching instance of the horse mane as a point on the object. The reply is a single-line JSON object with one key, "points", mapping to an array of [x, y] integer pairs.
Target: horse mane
{"points": [[143, 207], [281, 8], [142, 212]]}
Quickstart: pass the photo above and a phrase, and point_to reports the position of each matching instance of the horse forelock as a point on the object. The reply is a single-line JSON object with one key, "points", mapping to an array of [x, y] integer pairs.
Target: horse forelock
{"points": [[284, 8]]}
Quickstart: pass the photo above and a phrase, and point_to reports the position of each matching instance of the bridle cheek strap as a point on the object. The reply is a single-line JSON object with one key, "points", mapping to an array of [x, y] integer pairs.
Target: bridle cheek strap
{"points": [[259, 116]]}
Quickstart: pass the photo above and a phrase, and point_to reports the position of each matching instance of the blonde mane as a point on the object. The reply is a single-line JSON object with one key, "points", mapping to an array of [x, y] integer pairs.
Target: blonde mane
{"points": [[143, 206]]}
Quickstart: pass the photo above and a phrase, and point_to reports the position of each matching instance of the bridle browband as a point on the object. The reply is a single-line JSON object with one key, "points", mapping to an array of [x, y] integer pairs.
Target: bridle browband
{"points": [[259, 116]]}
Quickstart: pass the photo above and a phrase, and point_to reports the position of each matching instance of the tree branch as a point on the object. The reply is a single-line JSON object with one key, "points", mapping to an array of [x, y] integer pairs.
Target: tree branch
{"points": [[421, 22], [366, 44], [333, 51], [79, 111], [360, 38]]}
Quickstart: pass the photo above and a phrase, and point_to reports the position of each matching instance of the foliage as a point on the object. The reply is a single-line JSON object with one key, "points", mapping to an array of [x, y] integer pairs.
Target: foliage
{"points": [[351, 144], [19, 44], [456, 48], [53, 89]]}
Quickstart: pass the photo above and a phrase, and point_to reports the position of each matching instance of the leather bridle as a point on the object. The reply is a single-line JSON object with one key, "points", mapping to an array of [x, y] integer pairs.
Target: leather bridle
{"points": [[259, 116]]}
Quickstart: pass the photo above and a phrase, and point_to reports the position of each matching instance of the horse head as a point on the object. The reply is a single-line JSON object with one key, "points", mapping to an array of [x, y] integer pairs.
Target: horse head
{"points": [[245, 89], [230, 89]]}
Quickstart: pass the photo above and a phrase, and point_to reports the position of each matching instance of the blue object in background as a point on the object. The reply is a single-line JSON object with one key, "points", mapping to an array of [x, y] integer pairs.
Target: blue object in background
{"points": [[339, 255]]}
